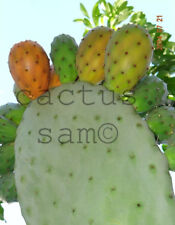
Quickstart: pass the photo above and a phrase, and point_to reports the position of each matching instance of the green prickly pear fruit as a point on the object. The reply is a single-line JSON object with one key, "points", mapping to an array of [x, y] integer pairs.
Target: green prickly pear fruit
{"points": [[12, 112], [7, 158], [20, 96], [63, 55], [7, 130], [81, 167], [149, 93], [170, 154], [161, 121], [171, 141], [7, 188], [128, 55], [91, 53]]}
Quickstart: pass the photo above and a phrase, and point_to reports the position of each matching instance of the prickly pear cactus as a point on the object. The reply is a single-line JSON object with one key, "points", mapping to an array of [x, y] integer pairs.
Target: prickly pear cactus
{"points": [[171, 140], [90, 162], [13, 112], [7, 158], [127, 58], [7, 188], [162, 122], [91, 53], [63, 55], [170, 154], [30, 69], [7, 130], [149, 93], [20, 96]]}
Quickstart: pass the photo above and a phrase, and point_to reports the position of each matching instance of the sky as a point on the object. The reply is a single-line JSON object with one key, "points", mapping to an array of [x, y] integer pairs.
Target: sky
{"points": [[41, 21]]}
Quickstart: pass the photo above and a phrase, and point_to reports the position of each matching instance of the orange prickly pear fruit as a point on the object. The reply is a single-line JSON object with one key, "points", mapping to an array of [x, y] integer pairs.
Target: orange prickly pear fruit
{"points": [[54, 79], [30, 68]]}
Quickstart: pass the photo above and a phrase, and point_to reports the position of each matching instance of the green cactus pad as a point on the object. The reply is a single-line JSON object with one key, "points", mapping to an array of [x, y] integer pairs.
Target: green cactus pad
{"points": [[7, 131], [127, 58], [170, 154], [20, 96], [7, 158], [13, 112], [63, 55], [7, 188], [1, 211], [161, 121], [149, 93], [113, 174]]}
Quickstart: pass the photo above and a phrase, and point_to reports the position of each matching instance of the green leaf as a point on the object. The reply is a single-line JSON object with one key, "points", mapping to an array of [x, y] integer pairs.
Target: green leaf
{"points": [[163, 74], [96, 14], [109, 23], [123, 15], [171, 85], [87, 23], [78, 20], [138, 18], [111, 8], [118, 3], [103, 3], [170, 45], [106, 9], [164, 147], [170, 81], [1, 212], [102, 19], [83, 10], [165, 36], [172, 69], [150, 27], [85, 32], [122, 6], [171, 97]]}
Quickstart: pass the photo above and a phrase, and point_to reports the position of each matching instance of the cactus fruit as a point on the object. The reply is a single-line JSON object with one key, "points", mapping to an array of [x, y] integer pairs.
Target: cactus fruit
{"points": [[63, 55], [54, 79], [101, 177], [128, 55], [161, 121], [91, 53], [8, 189], [7, 130], [171, 140], [7, 158], [149, 93], [170, 154], [13, 112], [29, 66], [20, 96]]}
